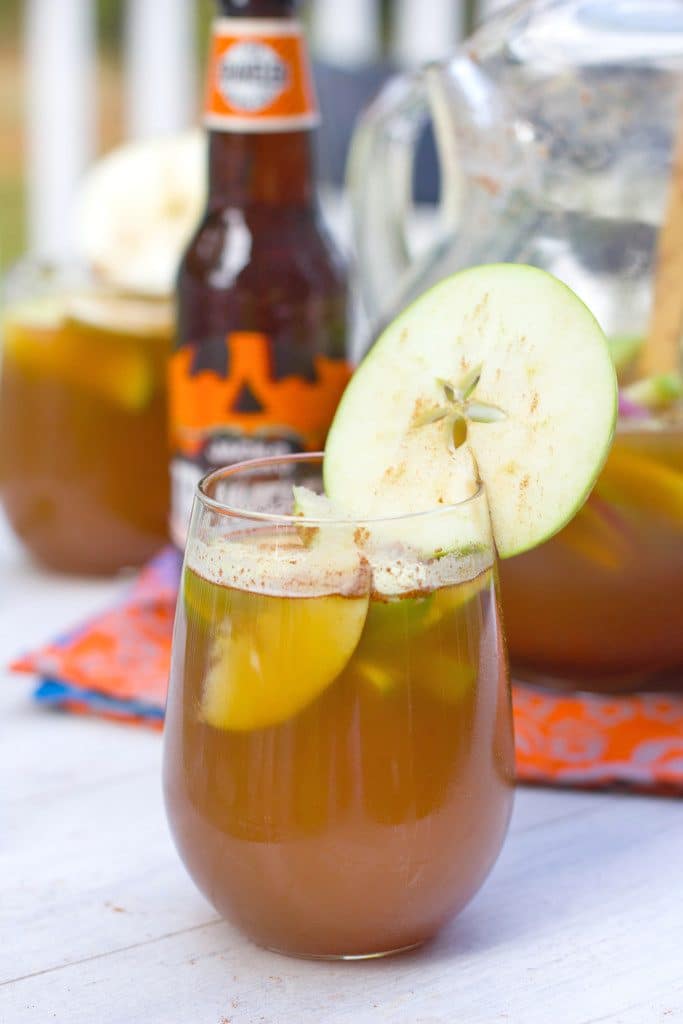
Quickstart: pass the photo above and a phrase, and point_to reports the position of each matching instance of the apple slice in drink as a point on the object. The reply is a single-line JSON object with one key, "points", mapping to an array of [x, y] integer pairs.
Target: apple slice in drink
{"points": [[643, 485], [599, 534], [283, 620], [279, 655], [500, 374]]}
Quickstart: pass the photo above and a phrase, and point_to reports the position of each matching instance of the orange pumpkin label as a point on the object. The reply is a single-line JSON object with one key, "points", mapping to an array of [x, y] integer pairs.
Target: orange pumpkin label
{"points": [[259, 78], [230, 400]]}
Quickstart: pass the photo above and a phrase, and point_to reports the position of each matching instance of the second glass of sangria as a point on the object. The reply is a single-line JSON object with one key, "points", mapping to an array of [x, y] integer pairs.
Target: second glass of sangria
{"points": [[83, 419]]}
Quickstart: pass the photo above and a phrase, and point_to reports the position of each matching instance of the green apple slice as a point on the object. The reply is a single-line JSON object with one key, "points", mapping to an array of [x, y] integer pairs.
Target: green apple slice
{"points": [[499, 373], [281, 621], [276, 656], [635, 482]]}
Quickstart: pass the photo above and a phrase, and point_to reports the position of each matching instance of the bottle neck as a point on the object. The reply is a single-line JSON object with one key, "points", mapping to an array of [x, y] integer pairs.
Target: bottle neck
{"points": [[253, 169], [257, 8], [260, 107]]}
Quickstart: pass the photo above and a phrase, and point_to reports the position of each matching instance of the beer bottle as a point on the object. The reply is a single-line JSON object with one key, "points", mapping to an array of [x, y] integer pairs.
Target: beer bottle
{"points": [[260, 360]]}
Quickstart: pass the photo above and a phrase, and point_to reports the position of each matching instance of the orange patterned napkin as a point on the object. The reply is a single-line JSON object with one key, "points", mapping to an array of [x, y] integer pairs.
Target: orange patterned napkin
{"points": [[117, 666]]}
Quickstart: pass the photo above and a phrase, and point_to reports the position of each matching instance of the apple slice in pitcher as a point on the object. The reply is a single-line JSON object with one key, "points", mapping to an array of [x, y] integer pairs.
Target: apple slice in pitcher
{"points": [[498, 374]]}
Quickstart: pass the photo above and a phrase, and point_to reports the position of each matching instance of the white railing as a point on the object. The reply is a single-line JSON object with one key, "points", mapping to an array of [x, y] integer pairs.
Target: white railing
{"points": [[161, 79], [417, 39], [60, 113], [161, 72], [347, 40]]}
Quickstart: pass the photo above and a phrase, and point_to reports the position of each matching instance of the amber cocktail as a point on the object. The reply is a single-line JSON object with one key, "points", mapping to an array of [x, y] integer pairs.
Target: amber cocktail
{"points": [[83, 433], [338, 758]]}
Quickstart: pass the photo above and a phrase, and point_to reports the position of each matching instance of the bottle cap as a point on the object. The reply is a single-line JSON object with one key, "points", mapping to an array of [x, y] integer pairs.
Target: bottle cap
{"points": [[257, 8]]}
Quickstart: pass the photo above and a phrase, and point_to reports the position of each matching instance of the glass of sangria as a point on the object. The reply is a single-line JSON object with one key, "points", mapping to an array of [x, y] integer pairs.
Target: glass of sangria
{"points": [[598, 607], [338, 764], [83, 433]]}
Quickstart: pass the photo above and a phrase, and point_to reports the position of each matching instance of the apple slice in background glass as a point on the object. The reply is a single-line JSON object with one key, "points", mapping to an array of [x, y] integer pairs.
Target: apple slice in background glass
{"points": [[137, 208]]}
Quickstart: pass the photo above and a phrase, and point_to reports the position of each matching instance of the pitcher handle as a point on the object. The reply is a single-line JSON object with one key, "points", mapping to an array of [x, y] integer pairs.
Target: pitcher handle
{"points": [[380, 175]]}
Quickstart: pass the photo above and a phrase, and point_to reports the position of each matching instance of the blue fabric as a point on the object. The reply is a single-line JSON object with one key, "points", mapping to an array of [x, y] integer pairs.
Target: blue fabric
{"points": [[55, 694]]}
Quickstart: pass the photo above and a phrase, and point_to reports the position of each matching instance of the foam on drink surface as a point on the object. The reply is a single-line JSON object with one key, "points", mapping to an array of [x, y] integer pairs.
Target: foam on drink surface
{"points": [[340, 559], [280, 564]]}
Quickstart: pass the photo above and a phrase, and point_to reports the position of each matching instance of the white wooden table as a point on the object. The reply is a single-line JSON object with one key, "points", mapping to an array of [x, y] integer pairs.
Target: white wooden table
{"points": [[581, 921]]}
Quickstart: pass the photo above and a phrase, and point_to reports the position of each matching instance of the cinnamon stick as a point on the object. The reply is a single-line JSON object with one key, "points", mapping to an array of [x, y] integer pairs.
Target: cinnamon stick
{"points": [[661, 352]]}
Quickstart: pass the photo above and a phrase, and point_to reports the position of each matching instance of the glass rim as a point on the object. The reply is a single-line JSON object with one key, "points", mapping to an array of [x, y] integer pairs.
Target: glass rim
{"points": [[37, 275], [284, 519]]}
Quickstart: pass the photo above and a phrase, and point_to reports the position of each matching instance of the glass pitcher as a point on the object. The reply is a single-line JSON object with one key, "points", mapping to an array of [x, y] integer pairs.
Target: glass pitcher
{"points": [[555, 126]]}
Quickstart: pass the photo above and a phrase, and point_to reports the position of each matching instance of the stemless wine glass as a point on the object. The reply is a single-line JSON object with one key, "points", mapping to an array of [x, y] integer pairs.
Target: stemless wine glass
{"points": [[338, 764]]}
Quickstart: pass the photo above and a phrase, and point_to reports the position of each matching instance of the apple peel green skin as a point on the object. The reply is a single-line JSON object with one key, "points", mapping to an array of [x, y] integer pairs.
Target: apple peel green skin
{"points": [[522, 373]]}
